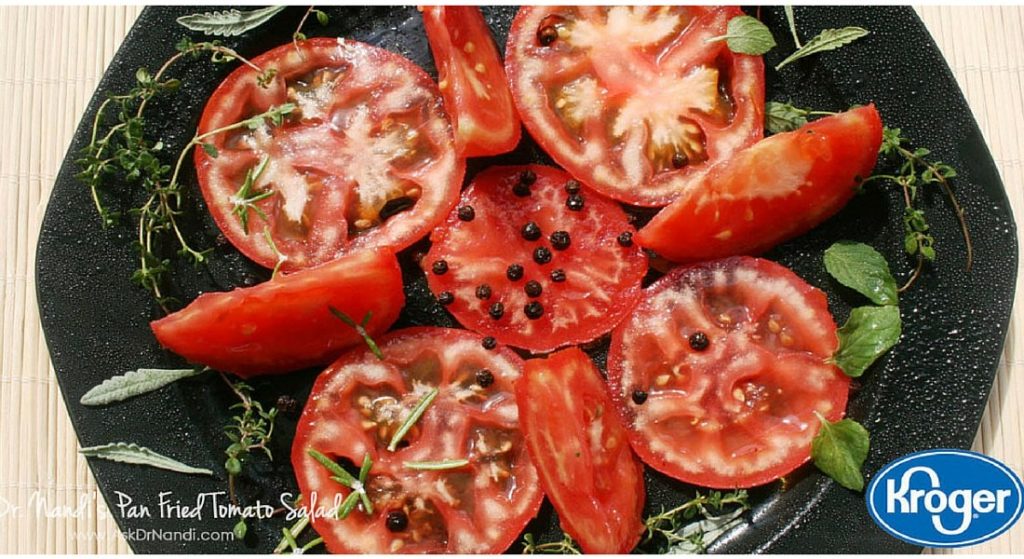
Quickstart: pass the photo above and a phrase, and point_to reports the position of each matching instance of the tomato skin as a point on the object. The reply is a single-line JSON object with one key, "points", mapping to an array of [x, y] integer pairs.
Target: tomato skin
{"points": [[334, 423], [808, 174], [284, 324], [624, 71], [336, 160], [479, 103], [693, 425], [597, 489]]}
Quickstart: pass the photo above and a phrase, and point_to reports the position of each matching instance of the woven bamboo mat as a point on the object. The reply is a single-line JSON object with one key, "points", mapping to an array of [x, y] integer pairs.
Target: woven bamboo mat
{"points": [[50, 62]]}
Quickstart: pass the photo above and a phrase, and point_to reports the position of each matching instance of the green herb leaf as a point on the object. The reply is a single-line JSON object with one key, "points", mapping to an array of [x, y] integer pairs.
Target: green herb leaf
{"points": [[134, 383], [783, 117], [414, 416], [791, 19], [747, 35], [867, 334], [863, 269], [240, 529], [210, 149], [229, 22], [347, 505], [342, 476], [839, 449], [695, 537], [131, 453], [322, 17], [447, 464], [360, 329], [829, 39]]}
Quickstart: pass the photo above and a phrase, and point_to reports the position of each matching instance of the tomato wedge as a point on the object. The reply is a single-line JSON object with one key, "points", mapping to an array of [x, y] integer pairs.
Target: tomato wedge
{"points": [[366, 159], [360, 402], [535, 260], [778, 189], [285, 324], [472, 80], [582, 452], [720, 370], [633, 100]]}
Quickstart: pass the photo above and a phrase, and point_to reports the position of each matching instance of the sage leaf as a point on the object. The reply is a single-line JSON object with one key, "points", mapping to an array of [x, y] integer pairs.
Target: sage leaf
{"points": [[867, 334], [862, 269], [829, 39], [134, 383], [839, 450], [783, 117], [131, 453], [791, 19], [229, 22], [747, 35]]}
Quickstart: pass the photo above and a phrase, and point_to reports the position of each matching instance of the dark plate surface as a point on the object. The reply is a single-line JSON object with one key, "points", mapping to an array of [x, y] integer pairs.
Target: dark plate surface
{"points": [[929, 392]]}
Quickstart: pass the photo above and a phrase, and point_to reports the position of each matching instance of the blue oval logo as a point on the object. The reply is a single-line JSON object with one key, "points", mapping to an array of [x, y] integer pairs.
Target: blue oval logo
{"points": [[945, 498]]}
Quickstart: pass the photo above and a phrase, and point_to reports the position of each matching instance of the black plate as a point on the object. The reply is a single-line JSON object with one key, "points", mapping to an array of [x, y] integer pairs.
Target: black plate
{"points": [[928, 392]]}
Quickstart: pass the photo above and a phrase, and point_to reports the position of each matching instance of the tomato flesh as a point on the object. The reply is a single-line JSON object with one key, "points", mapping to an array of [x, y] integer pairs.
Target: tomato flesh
{"points": [[285, 324], [367, 157], [775, 190], [738, 410], [582, 452], [472, 80], [358, 404], [634, 101], [575, 280]]}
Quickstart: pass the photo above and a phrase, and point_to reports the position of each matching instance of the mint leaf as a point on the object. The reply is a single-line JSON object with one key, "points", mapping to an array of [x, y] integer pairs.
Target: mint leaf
{"points": [[839, 450], [747, 35], [867, 334], [229, 22], [829, 39], [863, 269], [783, 117]]}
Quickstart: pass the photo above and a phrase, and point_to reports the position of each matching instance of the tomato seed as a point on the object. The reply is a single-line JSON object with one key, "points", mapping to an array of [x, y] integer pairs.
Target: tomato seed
{"points": [[533, 310], [533, 288], [496, 311], [625, 239], [639, 397], [560, 240], [531, 231], [572, 186], [558, 276], [699, 341], [514, 272], [467, 213], [542, 255], [679, 160], [397, 521], [547, 35], [484, 378], [395, 206], [521, 190], [574, 202], [446, 298], [489, 342], [440, 267], [483, 292]]}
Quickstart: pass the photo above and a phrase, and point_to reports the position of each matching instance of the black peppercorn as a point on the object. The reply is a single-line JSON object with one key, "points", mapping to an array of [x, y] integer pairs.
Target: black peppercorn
{"points": [[639, 397], [397, 521], [541, 255], [560, 240], [625, 239], [467, 213], [531, 231], [574, 202], [679, 160], [440, 267], [484, 378], [483, 292], [547, 35], [514, 272], [527, 177], [489, 342], [699, 341], [287, 404], [446, 298], [558, 276], [533, 310], [533, 288], [496, 311], [572, 186]]}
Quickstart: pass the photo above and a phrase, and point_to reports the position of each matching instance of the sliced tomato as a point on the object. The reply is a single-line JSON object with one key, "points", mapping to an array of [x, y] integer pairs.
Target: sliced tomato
{"points": [[366, 159], [360, 402], [582, 452], [472, 80], [633, 100], [719, 372], [535, 260], [286, 324], [780, 188]]}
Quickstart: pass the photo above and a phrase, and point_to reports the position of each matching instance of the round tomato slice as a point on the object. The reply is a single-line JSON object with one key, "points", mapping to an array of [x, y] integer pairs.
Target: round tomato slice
{"points": [[535, 260], [582, 452], [777, 189], [365, 159], [720, 370], [286, 323], [633, 100], [356, 408], [472, 80]]}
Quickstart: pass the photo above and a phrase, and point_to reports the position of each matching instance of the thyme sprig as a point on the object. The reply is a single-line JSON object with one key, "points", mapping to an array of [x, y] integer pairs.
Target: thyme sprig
{"points": [[119, 152], [665, 529], [321, 18], [915, 171], [564, 546], [250, 431]]}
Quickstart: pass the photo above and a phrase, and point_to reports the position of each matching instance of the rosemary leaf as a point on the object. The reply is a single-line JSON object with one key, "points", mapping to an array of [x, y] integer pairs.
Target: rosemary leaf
{"points": [[417, 412], [447, 464]]}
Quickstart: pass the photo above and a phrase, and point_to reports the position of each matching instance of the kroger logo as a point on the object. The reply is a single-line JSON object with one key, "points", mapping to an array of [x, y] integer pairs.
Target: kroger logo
{"points": [[945, 498]]}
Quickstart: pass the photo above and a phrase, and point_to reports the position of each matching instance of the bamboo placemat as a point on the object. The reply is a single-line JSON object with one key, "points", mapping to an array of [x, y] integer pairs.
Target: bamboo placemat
{"points": [[50, 62]]}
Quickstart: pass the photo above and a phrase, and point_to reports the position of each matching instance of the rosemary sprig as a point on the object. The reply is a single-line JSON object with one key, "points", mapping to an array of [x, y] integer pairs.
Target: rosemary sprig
{"points": [[414, 416], [565, 546], [357, 485], [245, 199], [916, 171], [437, 465], [251, 430], [666, 527], [360, 329]]}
